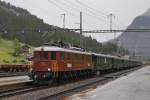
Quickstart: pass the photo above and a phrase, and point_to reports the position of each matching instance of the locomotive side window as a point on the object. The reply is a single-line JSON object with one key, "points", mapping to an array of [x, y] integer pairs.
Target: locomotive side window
{"points": [[45, 55], [53, 55], [62, 56], [68, 56], [79, 58], [82, 58], [41, 55]]}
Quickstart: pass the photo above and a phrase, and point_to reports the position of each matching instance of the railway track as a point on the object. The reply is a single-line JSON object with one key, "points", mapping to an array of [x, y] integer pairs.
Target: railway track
{"points": [[47, 92], [9, 90], [10, 74]]}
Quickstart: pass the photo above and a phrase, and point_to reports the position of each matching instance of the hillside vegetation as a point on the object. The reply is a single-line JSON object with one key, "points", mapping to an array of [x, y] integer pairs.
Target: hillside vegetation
{"points": [[20, 24], [6, 53]]}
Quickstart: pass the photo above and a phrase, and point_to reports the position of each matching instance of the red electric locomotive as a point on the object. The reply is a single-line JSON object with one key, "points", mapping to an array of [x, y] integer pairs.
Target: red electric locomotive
{"points": [[56, 64]]}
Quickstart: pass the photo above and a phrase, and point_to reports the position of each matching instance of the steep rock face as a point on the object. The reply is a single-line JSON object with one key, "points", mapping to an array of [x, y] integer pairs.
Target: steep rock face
{"points": [[138, 42]]}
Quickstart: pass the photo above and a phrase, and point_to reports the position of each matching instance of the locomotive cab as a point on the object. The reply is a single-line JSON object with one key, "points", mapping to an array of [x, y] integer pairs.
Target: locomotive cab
{"points": [[44, 63], [44, 60]]}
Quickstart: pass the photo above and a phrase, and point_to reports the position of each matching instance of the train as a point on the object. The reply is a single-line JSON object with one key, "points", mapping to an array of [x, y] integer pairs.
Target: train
{"points": [[56, 64]]}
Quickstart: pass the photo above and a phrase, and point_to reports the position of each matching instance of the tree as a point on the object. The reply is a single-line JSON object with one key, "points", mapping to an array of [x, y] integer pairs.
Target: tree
{"points": [[17, 47], [0, 38]]}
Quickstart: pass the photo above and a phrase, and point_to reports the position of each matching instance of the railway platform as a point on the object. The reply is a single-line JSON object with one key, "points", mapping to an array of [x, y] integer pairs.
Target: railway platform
{"points": [[13, 80], [134, 86]]}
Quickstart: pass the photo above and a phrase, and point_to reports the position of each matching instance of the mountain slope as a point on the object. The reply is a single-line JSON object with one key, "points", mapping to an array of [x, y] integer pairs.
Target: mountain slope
{"points": [[19, 23], [138, 42]]}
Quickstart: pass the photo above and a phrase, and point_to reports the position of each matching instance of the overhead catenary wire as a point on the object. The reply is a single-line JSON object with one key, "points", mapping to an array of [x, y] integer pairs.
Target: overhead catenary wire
{"points": [[74, 7], [97, 11], [92, 9], [86, 11], [121, 23], [72, 14], [77, 9], [84, 31]]}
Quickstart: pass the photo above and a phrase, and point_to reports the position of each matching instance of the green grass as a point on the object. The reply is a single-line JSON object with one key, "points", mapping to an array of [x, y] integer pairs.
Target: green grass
{"points": [[6, 53]]}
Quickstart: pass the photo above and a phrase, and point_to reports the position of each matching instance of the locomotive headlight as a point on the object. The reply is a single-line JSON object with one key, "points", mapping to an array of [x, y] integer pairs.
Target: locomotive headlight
{"points": [[49, 69], [31, 69]]}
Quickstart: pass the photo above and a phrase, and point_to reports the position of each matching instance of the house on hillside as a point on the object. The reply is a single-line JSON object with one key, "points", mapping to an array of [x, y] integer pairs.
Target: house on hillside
{"points": [[25, 49]]}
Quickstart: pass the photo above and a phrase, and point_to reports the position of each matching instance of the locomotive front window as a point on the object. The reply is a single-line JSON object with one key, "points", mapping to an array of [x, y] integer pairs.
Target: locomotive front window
{"points": [[37, 56], [53, 55], [41, 55]]}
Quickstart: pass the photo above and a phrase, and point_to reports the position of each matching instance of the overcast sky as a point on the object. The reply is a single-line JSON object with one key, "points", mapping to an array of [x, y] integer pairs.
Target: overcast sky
{"points": [[94, 12]]}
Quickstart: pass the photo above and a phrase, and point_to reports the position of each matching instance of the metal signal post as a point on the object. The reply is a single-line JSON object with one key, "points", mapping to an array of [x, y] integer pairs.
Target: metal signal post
{"points": [[81, 23], [64, 19], [111, 16]]}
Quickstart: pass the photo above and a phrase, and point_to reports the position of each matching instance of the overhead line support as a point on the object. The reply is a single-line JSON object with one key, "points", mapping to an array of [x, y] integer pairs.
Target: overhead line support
{"points": [[81, 23]]}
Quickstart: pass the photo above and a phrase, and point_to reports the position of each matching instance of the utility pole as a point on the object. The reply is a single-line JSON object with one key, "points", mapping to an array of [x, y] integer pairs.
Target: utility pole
{"points": [[81, 23], [111, 16], [64, 19]]}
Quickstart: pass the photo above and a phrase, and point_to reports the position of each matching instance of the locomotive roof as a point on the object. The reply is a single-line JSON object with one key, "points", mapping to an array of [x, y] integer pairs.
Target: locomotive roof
{"points": [[54, 48]]}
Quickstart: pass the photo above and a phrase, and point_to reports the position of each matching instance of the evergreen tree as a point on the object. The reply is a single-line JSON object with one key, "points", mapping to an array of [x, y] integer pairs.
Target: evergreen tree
{"points": [[17, 47]]}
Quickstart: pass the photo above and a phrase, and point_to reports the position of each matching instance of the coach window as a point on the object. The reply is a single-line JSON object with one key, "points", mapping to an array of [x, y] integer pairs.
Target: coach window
{"points": [[100, 60], [53, 55], [105, 60], [62, 56]]}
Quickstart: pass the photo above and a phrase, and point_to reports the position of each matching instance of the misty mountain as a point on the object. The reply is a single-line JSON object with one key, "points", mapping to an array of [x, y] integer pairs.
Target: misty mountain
{"points": [[138, 43]]}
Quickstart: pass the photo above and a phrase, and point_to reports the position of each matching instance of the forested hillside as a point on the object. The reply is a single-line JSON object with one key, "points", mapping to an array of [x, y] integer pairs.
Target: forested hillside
{"points": [[19, 23]]}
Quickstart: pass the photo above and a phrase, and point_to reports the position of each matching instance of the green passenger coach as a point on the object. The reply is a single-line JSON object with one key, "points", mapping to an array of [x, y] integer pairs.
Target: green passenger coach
{"points": [[102, 62]]}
